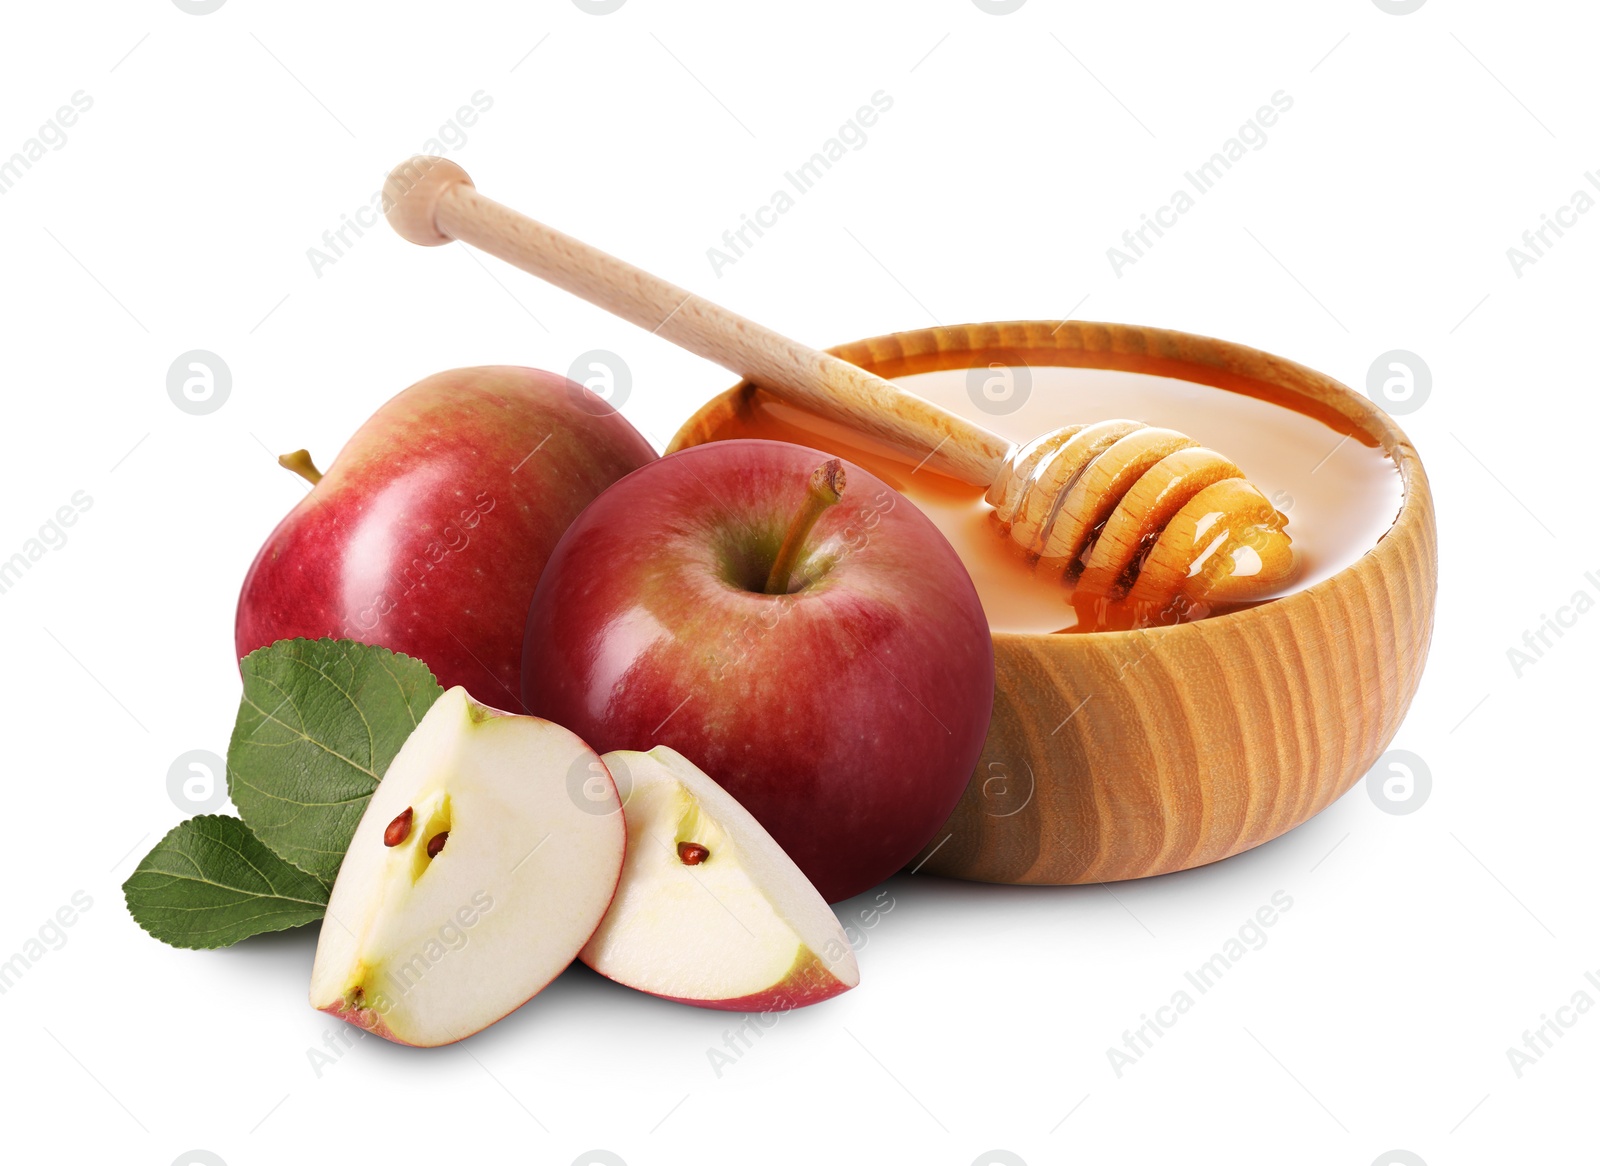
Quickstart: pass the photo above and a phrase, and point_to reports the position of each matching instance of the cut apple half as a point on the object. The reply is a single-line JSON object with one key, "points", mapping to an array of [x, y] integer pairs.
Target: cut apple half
{"points": [[476, 874], [710, 910]]}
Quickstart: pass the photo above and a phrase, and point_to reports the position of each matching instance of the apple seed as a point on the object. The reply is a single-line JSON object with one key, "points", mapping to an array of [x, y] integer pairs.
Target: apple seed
{"points": [[398, 830], [692, 853], [436, 843]]}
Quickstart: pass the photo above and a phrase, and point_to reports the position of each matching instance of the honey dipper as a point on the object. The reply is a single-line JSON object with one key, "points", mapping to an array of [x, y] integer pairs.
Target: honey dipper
{"points": [[1139, 517]]}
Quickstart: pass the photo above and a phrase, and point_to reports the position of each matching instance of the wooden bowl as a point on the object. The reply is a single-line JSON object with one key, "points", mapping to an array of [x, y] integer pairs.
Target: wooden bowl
{"points": [[1230, 730]]}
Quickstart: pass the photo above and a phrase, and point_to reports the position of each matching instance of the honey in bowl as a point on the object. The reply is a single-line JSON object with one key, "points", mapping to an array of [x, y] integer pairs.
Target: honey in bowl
{"points": [[1339, 493]]}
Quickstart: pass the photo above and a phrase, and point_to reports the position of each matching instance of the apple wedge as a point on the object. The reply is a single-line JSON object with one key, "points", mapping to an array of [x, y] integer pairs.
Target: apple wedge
{"points": [[476, 874], [710, 910]]}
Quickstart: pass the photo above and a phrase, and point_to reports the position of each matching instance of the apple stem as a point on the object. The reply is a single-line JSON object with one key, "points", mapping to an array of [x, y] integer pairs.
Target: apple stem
{"points": [[826, 488], [300, 462]]}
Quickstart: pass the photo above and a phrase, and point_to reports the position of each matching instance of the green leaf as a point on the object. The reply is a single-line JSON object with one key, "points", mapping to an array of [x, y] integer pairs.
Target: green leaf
{"points": [[318, 725], [210, 883]]}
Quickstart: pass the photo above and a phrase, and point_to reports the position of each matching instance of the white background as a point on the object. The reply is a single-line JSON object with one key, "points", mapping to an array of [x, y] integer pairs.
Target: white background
{"points": [[218, 150]]}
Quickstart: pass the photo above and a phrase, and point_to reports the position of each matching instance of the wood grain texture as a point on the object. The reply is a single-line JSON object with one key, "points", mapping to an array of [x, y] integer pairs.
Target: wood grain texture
{"points": [[1119, 755], [432, 201]]}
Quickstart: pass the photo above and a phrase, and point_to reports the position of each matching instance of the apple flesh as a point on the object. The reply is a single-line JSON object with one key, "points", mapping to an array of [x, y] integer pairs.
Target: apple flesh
{"points": [[429, 532], [710, 911], [845, 713], [486, 858]]}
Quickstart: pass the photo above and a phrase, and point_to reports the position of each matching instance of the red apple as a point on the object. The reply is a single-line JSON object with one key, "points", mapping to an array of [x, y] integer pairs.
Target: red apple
{"points": [[429, 531], [845, 711]]}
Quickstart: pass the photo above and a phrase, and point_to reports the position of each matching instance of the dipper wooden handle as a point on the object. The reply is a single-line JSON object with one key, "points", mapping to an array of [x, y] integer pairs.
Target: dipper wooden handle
{"points": [[1136, 516], [432, 201]]}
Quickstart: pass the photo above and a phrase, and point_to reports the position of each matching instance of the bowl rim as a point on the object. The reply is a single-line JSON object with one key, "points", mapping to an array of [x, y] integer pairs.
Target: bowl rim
{"points": [[1221, 364]]}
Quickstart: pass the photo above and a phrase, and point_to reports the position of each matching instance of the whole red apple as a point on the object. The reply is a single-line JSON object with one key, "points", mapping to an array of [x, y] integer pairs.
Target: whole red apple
{"points": [[845, 708], [428, 533]]}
